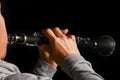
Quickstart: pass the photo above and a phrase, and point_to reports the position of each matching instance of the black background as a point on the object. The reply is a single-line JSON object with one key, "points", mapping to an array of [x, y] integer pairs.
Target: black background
{"points": [[87, 19]]}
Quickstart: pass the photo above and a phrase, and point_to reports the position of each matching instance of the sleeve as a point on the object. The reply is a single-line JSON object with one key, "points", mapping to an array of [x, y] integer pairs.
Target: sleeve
{"points": [[44, 69], [79, 69], [9, 71]]}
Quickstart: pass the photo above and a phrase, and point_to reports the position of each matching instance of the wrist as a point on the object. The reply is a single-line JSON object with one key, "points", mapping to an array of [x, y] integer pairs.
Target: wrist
{"points": [[50, 62]]}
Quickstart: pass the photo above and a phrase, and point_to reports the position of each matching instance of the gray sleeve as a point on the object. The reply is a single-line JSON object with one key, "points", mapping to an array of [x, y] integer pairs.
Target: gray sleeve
{"points": [[79, 69], [44, 69], [9, 71]]}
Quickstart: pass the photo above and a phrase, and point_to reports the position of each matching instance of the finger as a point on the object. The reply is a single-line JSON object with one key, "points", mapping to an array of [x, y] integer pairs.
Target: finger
{"points": [[65, 31], [72, 37], [49, 34], [57, 32]]}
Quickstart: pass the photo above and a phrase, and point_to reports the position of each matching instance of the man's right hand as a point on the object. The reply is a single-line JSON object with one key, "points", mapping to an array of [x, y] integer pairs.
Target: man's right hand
{"points": [[61, 44]]}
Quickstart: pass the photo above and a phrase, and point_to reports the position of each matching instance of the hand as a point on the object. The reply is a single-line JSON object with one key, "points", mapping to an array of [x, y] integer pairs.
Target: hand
{"points": [[61, 44], [46, 51]]}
